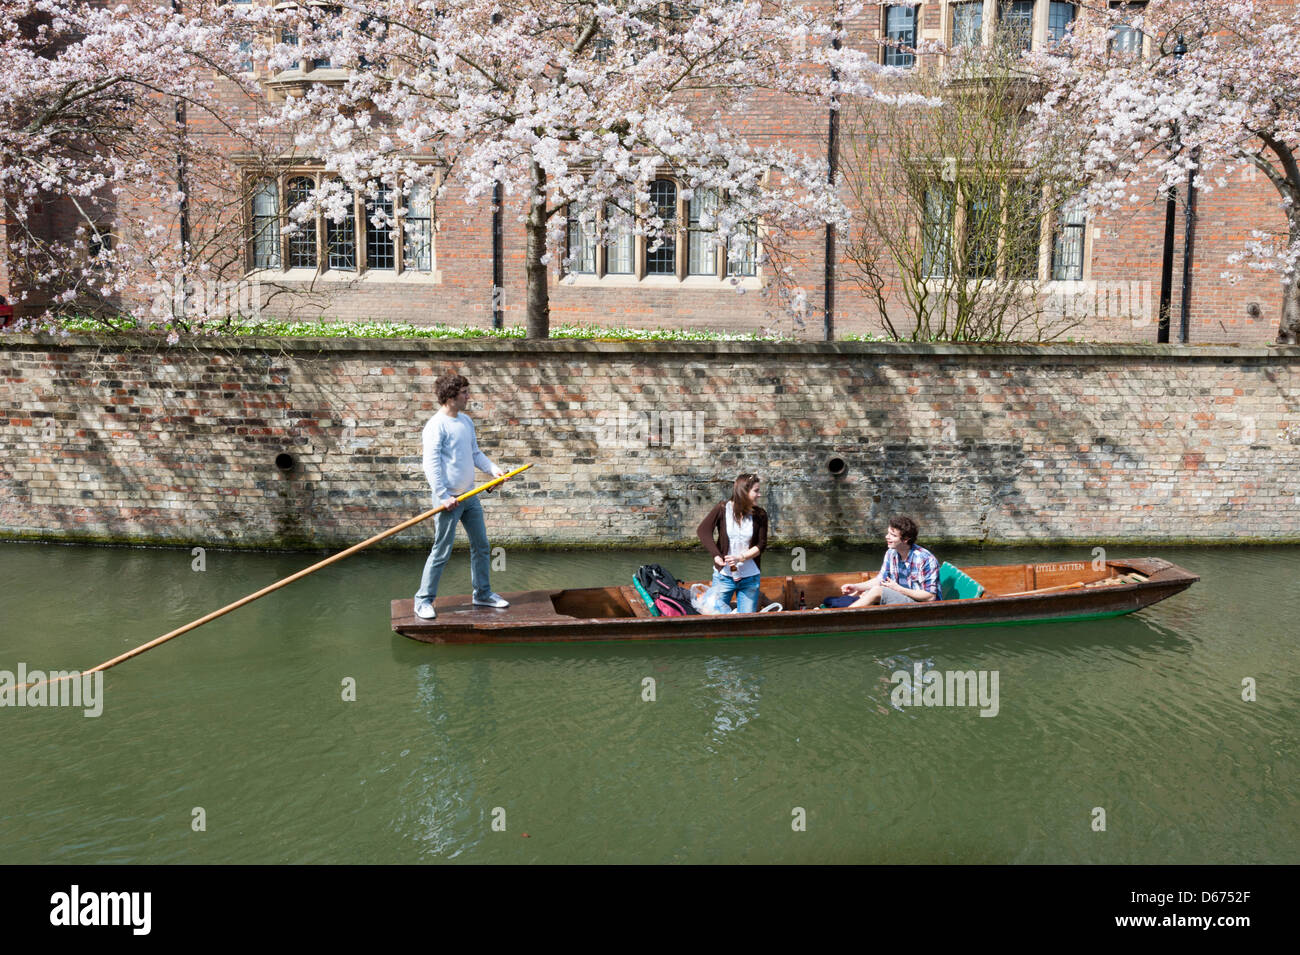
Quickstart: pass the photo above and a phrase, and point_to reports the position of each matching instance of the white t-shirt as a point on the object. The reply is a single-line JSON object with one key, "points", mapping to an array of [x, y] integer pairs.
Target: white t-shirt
{"points": [[740, 537]]}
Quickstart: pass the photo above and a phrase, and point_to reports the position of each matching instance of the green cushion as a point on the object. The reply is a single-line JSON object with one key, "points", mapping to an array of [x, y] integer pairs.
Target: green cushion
{"points": [[956, 585]]}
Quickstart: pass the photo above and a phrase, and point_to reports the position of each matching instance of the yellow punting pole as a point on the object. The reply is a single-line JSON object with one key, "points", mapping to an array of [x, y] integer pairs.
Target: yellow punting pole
{"points": [[290, 579]]}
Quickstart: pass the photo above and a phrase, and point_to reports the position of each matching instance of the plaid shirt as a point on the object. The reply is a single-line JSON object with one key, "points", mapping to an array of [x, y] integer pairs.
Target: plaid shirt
{"points": [[919, 571]]}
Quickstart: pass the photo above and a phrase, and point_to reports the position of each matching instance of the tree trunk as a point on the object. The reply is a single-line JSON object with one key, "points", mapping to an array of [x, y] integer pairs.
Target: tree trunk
{"points": [[1288, 332], [539, 303]]}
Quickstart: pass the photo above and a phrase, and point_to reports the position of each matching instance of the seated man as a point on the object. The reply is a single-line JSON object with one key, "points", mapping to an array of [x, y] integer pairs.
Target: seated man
{"points": [[910, 574]]}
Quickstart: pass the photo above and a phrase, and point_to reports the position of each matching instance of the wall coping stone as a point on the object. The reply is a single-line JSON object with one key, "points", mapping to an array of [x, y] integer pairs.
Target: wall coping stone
{"points": [[578, 346]]}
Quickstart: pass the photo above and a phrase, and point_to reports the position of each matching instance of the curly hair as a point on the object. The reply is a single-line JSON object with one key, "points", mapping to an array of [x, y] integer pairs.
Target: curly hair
{"points": [[905, 526], [449, 386]]}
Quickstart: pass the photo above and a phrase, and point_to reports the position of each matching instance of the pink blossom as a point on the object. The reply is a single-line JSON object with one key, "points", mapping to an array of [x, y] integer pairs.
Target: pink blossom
{"points": [[1143, 122]]}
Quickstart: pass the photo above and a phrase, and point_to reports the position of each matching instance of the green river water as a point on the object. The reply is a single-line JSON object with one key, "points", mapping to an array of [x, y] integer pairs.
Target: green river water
{"points": [[242, 725]]}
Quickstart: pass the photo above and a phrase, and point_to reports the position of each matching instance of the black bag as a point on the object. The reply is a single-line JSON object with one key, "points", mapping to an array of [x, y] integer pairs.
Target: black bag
{"points": [[657, 582]]}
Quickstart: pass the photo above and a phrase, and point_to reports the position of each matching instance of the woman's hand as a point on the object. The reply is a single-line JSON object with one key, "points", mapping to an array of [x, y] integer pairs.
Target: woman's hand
{"points": [[719, 563]]}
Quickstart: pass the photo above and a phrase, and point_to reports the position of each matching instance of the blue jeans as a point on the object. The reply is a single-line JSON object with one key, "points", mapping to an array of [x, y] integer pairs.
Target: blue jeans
{"points": [[469, 513], [745, 589]]}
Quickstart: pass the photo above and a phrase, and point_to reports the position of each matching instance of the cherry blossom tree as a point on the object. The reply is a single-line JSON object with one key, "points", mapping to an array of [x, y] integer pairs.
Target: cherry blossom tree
{"points": [[1141, 109], [572, 107], [99, 150], [935, 275]]}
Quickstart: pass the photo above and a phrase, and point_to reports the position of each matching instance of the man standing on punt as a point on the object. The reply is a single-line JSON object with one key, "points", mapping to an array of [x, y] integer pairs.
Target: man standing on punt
{"points": [[451, 453]]}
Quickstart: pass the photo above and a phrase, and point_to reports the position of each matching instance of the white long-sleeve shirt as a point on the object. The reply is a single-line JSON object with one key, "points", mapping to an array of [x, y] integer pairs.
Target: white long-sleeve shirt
{"points": [[450, 454]]}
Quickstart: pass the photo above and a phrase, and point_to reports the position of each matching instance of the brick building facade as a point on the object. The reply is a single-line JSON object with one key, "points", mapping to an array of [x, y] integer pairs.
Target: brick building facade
{"points": [[445, 274]]}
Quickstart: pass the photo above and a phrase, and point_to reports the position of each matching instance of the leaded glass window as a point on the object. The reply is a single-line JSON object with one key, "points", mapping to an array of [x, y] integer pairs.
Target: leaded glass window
{"points": [[747, 263], [701, 252], [620, 247], [900, 32], [967, 23], [1059, 18], [1067, 243], [983, 226], [1127, 38], [1023, 230], [302, 241], [341, 239], [663, 260], [417, 235], [582, 244], [1017, 26], [936, 230], [324, 16], [266, 226], [381, 249]]}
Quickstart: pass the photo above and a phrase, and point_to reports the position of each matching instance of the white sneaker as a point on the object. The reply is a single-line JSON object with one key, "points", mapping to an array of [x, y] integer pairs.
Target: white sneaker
{"points": [[424, 610], [493, 600]]}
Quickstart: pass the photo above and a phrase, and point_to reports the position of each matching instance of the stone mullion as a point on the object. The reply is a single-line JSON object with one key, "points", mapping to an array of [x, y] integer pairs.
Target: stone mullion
{"points": [[681, 241], [399, 231]]}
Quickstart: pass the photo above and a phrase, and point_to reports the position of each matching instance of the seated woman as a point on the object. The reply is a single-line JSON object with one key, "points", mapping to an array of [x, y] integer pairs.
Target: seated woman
{"points": [[735, 533]]}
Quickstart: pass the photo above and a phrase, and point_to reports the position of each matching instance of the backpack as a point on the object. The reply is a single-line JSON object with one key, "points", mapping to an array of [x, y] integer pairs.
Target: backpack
{"points": [[668, 607], [658, 584]]}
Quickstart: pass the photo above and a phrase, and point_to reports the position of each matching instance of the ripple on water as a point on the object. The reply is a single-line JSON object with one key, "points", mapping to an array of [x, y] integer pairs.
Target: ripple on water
{"points": [[247, 720]]}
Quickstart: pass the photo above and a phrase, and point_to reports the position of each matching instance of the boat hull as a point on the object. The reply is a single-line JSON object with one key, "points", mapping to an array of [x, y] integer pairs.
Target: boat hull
{"points": [[540, 617]]}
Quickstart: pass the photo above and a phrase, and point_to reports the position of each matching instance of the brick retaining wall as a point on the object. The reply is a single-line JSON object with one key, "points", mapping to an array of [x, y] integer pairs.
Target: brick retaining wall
{"points": [[123, 442]]}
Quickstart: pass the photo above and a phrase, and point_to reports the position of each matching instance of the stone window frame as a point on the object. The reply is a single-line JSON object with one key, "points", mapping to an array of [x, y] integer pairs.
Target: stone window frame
{"points": [[100, 237], [259, 222], [401, 270], [672, 15], [1048, 38], [949, 20], [283, 83], [991, 19], [640, 276], [1049, 228], [887, 51], [1058, 232], [1146, 41]]}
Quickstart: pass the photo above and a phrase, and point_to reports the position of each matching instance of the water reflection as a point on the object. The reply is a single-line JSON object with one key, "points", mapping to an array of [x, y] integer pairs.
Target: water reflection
{"points": [[733, 690], [439, 808]]}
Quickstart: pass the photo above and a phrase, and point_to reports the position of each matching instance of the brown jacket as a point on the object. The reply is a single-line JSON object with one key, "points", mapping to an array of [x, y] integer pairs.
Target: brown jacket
{"points": [[715, 525]]}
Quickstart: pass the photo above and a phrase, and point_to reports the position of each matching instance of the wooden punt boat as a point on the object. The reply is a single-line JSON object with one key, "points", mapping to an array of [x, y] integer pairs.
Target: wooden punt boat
{"points": [[1013, 593]]}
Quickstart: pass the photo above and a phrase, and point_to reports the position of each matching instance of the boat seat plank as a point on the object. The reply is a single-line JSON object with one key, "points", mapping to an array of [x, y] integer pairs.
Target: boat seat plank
{"points": [[634, 601]]}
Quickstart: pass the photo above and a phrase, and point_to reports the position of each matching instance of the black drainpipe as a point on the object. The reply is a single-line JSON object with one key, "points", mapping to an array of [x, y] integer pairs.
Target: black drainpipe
{"points": [[498, 247], [1171, 209], [1188, 234], [832, 164], [180, 185], [1167, 266], [498, 265]]}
